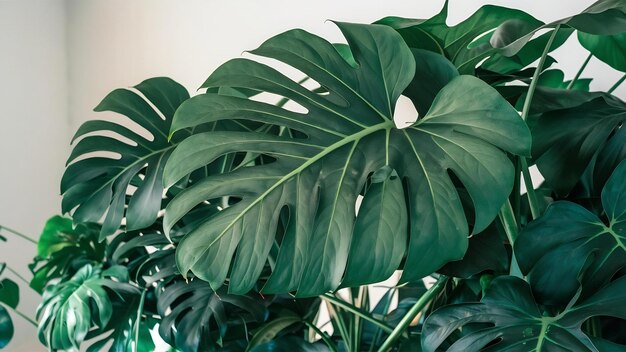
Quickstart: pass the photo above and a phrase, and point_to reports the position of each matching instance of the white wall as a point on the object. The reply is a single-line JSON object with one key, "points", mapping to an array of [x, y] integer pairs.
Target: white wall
{"points": [[58, 59], [34, 141]]}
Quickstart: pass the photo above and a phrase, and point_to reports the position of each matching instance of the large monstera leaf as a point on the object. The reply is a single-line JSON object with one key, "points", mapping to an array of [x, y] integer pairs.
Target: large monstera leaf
{"points": [[350, 134], [569, 244], [128, 184], [518, 323]]}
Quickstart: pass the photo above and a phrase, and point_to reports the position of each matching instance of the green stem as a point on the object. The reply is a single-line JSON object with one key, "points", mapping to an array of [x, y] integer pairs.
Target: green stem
{"points": [[532, 196], [331, 345], [378, 331], [510, 228], [412, 313], [24, 316], [138, 319], [23, 279], [580, 71], [350, 308], [10, 230], [617, 84], [341, 325]]}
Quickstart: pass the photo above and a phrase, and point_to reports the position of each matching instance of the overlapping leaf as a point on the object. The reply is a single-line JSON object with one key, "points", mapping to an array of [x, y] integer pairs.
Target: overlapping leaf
{"points": [[350, 133], [129, 182], [62, 249], [70, 309], [203, 314], [517, 323], [570, 133], [569, 243]]}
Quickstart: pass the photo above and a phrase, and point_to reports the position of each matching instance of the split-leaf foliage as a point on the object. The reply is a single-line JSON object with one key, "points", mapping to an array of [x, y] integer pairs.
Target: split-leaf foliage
{"points": [[228, 220]]}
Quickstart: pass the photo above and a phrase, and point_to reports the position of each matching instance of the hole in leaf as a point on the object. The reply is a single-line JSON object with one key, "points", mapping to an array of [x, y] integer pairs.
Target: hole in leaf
{"points": [[405, 114]]}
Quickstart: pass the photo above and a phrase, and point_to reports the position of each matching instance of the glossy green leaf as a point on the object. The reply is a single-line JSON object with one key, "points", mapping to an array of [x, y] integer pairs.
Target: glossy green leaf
{"points": [[6, 327], [611, 49], [569, 244], [350, 133], [70, 309], [9, 293], [516, 322], [96, 186], [202, 314], [63, 249], [565, 140]]}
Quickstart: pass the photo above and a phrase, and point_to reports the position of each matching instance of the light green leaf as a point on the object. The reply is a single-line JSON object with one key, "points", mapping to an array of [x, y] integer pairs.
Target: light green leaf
{"points": [[608, 48], [350, 133], [66, 313]]}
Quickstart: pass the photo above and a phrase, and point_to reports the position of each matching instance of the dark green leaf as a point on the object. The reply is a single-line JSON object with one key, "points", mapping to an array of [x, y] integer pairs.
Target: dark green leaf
{"points": [[202, 314], [432, 72], [350, 134], [565, 140], [380, 229], [291, 343], [98, 186], [9, 293], [568, 239], [516, 323], [270, 330], [6, 327]]}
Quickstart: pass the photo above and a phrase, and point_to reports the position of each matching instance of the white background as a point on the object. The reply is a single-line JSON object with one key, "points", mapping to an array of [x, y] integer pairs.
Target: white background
{"points": [[58, 59]]}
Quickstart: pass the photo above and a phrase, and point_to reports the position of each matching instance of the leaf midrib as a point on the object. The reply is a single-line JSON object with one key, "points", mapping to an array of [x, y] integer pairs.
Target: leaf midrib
{"points": [[331, 148]]}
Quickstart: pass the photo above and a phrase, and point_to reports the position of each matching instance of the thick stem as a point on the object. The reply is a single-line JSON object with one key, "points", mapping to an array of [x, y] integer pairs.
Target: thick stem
{"points": [[341, 325], [510, 228], [2, 227], [532, 196], [138, 319], [412, 313], [350, 308], [617, 84], [580, 71]]}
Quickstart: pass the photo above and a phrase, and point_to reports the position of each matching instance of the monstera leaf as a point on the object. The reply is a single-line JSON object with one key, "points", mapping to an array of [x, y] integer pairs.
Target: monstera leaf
{"points": [[608, 48], [70, 309], [517, 322], [9, 295], [101, 185], [565, 140], [6, 327], [62, 249], [204, 315], [346, 135], [568, 239]]}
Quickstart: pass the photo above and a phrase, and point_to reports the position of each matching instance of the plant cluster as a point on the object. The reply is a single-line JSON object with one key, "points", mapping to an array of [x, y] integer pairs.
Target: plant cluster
{"points": [[227, 220]]}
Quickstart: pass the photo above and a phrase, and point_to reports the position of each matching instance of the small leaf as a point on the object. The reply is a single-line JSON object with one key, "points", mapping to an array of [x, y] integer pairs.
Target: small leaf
{"points": [[611, 49], [9, 293], [6, 327]]}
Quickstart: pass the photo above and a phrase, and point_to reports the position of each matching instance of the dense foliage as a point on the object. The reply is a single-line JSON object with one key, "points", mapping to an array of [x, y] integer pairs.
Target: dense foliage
{"points": [[229, 220]]}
